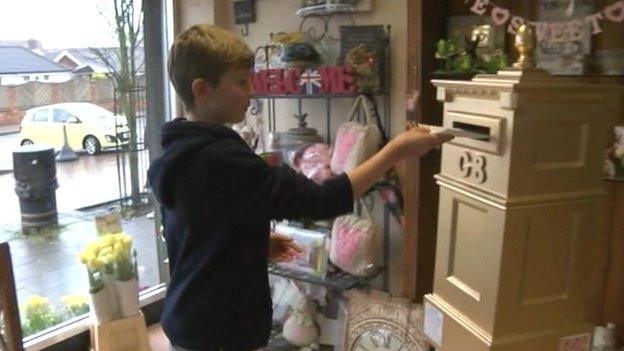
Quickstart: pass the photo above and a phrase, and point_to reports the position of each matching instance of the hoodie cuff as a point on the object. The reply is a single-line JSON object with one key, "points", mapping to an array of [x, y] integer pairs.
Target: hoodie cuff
{"points": [[340, 193]]}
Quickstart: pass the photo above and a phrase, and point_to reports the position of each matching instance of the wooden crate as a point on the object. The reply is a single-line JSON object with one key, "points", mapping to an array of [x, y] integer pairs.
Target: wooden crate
{"points": [[128, 334]]}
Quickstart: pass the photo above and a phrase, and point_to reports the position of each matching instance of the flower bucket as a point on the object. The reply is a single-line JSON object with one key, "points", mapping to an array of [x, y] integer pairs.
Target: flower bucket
{"points": [[128, 297], [101, 309], [109, 287]]}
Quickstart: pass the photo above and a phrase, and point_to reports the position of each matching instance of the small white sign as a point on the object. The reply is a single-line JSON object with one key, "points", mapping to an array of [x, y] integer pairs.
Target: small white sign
{"points": [[578, 342], [433, 324]]}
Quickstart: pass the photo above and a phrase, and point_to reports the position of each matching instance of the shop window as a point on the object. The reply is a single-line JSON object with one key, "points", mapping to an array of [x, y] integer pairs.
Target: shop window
{"points": [[50, 280]]}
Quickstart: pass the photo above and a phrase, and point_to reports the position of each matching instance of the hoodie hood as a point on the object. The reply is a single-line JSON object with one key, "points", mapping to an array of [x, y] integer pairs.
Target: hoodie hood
{"points": [[180, 140]]}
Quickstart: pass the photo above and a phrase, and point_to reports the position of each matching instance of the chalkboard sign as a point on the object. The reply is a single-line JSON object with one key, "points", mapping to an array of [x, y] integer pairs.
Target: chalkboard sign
{"points": [[244, 11], [374, 37]]}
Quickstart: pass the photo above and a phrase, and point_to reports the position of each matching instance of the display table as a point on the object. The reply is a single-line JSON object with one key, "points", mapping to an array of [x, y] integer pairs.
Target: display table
{"points": [[519, 228]]}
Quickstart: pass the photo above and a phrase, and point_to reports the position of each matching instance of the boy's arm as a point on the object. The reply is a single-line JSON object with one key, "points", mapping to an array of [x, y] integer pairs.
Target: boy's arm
{"points": [[412, 143], [242, 184]]}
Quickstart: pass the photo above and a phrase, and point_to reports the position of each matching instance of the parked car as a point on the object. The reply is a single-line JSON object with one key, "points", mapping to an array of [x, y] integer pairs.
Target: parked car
{"points": [[89, 127]]}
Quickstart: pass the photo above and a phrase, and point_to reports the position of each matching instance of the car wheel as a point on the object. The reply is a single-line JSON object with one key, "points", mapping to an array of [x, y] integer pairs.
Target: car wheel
{"points": [[91, 145], [27, 142]]}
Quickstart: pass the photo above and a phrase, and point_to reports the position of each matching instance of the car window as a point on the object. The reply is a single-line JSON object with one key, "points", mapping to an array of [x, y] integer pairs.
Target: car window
{"points": [[40, 116], [60, 116]]}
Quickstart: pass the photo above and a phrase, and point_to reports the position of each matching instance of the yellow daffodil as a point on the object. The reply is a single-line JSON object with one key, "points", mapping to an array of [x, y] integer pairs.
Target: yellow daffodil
{"points": [[109, 253], [37, 304], [74, 300]]}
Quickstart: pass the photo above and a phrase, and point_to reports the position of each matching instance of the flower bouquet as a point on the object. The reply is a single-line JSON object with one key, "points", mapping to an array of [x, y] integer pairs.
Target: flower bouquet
{"points": [[112, 274]]}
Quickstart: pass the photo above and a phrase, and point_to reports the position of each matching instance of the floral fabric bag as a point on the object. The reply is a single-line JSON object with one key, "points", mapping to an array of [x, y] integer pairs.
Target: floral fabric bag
{"points": [[313, 162], [355, 142], [355, 243]]}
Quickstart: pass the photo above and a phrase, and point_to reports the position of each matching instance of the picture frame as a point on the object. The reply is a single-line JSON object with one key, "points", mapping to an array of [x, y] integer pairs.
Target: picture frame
{"points": [[244, 11], [460, 26], [313, 260], [108, 223], [315, 7], [570, 57]]}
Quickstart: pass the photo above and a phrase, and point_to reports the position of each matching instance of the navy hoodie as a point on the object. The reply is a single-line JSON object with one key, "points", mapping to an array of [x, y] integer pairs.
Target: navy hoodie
{"points": [[217, 198]]}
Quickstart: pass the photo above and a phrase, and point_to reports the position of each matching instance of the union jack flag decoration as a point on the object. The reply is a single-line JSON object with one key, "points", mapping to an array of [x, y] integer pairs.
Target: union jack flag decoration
{"points": [[310, 81]]}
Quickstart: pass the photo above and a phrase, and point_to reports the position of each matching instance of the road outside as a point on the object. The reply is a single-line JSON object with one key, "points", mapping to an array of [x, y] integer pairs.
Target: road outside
{"points": [[89, 180], [46, 265]]}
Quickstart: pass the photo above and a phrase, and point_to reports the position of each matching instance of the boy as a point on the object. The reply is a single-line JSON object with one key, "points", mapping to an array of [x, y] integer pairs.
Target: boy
{"points": [[218, 197]]}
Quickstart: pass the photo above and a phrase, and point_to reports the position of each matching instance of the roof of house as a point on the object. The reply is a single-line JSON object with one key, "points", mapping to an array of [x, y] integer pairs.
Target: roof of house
{"points": [[84, 57], [17, 60]]}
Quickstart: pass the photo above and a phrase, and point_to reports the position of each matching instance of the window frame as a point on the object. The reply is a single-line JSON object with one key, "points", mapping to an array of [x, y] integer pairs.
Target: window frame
{"points": [[150, 299], [82, 324]]}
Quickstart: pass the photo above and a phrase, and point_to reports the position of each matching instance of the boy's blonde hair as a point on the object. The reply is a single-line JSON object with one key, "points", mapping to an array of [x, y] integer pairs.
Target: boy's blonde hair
{"points": [[205, 51]]}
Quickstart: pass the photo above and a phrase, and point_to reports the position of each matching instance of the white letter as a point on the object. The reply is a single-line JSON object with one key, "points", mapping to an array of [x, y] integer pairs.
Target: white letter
{"points": [[516, 22], [500, 15], [480, 6], [592, 20], [557, 32], [610, 12], [541, 31], [574, 30]]}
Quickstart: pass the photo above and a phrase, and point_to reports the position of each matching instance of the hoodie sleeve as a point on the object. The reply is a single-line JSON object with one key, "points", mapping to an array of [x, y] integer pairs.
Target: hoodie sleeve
{"points": [[240, 182]]}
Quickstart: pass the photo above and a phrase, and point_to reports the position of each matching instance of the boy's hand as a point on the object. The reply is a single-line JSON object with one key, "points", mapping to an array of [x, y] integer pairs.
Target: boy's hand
{"points": [[417, 141], [282, 248]]}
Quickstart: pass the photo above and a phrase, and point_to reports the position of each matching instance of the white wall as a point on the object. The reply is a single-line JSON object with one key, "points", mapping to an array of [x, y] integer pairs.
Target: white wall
{"points": [[17, 79]]}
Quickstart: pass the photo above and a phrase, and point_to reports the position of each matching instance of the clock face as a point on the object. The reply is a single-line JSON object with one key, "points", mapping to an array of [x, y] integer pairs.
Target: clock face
{"points": [[383, 335], [378, 322], [379, 340]]}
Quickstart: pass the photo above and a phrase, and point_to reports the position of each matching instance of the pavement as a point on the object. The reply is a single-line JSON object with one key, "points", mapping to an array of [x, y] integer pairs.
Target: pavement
{"points": [[46, 263]]}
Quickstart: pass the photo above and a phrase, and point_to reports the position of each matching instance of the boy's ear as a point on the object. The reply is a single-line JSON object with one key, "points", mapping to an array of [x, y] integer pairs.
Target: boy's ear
{"points": [[201, 88]]}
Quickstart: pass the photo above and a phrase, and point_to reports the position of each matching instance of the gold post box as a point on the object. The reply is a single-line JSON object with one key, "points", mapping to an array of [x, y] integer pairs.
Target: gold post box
{"points": [[520, 241]]}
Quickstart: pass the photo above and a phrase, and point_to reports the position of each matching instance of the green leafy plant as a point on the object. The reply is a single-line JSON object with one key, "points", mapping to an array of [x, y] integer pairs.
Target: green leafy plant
{"points": [[446, 51], [74, 305], [464, 63], [466, 60], [495, 62], [38, 314]]}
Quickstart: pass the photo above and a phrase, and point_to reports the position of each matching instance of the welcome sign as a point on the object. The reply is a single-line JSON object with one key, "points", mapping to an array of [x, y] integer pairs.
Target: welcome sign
{"points": [[299, 81]]}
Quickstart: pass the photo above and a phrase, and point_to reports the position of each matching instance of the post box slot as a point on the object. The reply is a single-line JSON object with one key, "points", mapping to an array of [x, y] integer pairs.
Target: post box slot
{"points": [[485, 131]]}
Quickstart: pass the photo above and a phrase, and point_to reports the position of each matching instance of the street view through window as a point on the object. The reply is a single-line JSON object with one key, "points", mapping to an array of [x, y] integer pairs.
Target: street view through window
{"points": [[73, 153]]}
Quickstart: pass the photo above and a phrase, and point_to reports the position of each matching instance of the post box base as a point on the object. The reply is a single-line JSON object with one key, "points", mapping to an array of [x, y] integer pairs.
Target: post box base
{"points": [[457, 332]]}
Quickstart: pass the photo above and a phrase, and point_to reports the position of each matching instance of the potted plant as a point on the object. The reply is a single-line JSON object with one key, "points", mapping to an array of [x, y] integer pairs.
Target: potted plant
{"points": [[112, 276], [38, 315], [126, 283], [103, 304]]}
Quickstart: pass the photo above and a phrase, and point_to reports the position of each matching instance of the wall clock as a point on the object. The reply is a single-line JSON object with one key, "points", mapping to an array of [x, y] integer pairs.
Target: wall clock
{"points": [[378, 322]]}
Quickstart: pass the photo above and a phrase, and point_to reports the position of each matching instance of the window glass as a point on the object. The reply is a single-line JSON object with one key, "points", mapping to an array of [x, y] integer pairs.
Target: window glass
{"points": [[60, 116], [112, 181], [40, 116]]}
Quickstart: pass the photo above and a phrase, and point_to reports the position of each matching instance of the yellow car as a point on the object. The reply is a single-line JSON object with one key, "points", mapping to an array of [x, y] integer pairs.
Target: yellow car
{"points": [[89, 127]]}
